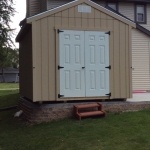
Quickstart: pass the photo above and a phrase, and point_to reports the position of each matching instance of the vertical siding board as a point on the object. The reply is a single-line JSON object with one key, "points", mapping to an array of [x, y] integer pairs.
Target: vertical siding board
{"points": [[65, 20], [109, 22], [44, 61], [84, 18], [38, 68], [77, 14], [111, 58], [71, 17], [78, 20], [127, 64], [116, 60], [84, 15], [52, 60], [122, 60], [103, 20], [97, 18], [130, 60], [84, 22], [91, 18], [58, 19]]}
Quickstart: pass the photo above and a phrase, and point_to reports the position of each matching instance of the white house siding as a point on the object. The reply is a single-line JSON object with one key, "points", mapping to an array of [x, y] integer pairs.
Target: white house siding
{"points": [[34, 7], [43, 5], [127, 9], [140, 60]]}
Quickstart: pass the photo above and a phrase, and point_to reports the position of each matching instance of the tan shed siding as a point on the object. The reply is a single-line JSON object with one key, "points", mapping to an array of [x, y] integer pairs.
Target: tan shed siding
{"points": [[97, 19], [55, 3], [147, 26], [127, 9], [140, 60], [25, 66], [47, 50]]}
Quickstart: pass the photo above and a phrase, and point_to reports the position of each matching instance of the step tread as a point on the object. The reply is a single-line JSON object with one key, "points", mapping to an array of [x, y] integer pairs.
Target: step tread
{"points": [[91, 113], [87, 105]]}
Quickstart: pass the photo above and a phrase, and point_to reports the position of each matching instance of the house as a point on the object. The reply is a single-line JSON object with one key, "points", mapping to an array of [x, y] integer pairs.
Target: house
{"points": [[76, 51], [10, 75]]}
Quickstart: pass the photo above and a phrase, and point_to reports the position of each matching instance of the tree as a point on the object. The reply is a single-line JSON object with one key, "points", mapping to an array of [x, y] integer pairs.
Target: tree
{"points": [[8, 58], [6, 32], [6, 12]]}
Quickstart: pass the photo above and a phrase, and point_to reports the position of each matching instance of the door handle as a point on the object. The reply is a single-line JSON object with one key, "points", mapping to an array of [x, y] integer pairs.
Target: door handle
{"points": [[83, 67]]}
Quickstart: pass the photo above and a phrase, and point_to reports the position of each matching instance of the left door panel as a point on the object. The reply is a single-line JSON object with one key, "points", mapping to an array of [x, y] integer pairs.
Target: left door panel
{"points": [[71, 56]]}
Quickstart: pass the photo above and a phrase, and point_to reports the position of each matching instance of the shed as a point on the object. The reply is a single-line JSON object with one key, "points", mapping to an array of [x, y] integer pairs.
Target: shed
{"points": [[78, 51]]}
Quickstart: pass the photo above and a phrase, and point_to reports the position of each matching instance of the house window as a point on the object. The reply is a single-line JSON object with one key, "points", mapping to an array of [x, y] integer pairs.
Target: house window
{"points": [[113, 6], [140, 13]]}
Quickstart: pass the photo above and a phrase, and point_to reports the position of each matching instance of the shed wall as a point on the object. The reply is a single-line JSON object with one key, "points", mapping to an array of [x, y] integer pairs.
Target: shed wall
{"points": [[46, 50], [25, 68]]}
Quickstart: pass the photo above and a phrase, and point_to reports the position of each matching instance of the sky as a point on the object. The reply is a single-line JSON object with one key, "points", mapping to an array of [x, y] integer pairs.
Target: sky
{"points": [[20, 7]]}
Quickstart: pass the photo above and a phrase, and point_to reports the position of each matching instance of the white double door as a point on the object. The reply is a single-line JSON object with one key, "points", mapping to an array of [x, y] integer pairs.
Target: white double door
{"points": [[83, 58]]}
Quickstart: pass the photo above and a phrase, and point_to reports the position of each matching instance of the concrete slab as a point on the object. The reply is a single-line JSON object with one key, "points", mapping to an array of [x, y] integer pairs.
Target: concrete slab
{"points": [[140, 97]]}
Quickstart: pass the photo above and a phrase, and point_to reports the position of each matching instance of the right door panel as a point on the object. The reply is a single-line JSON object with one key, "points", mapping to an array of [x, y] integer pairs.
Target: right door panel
{"points": [[96, 59]]}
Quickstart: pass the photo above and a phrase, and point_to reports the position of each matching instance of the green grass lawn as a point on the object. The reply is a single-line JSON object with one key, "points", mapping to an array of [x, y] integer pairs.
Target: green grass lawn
{"points": [[9, 85], [124, 131]]}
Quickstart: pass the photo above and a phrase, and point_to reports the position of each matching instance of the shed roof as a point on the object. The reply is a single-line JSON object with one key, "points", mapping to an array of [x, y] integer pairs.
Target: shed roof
{"points": [[78, 2]]}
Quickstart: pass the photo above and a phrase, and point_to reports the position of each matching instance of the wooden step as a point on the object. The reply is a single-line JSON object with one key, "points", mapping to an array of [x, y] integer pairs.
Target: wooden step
{"points": [[91, 113], [79, 110], [88, 105]]}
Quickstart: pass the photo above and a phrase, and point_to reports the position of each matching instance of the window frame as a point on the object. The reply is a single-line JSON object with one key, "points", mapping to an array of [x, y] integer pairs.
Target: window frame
{"points": [[145, 13], [117, 8]]}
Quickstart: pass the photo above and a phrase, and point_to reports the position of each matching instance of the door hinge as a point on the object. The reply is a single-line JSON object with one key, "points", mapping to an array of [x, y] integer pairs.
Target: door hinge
{"points": [[109, 67], [59, 96], [107, 32], [58, 31], [59, 67], [108, 94]]}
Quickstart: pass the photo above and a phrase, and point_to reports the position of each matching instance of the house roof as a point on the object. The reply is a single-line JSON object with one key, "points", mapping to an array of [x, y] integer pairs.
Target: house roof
{"points": [[10, 70], [138, 26], [24, 29]]}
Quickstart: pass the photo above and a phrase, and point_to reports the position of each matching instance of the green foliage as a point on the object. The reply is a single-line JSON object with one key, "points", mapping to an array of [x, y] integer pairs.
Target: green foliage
{"points": [[6, 12], [8, 58]]}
